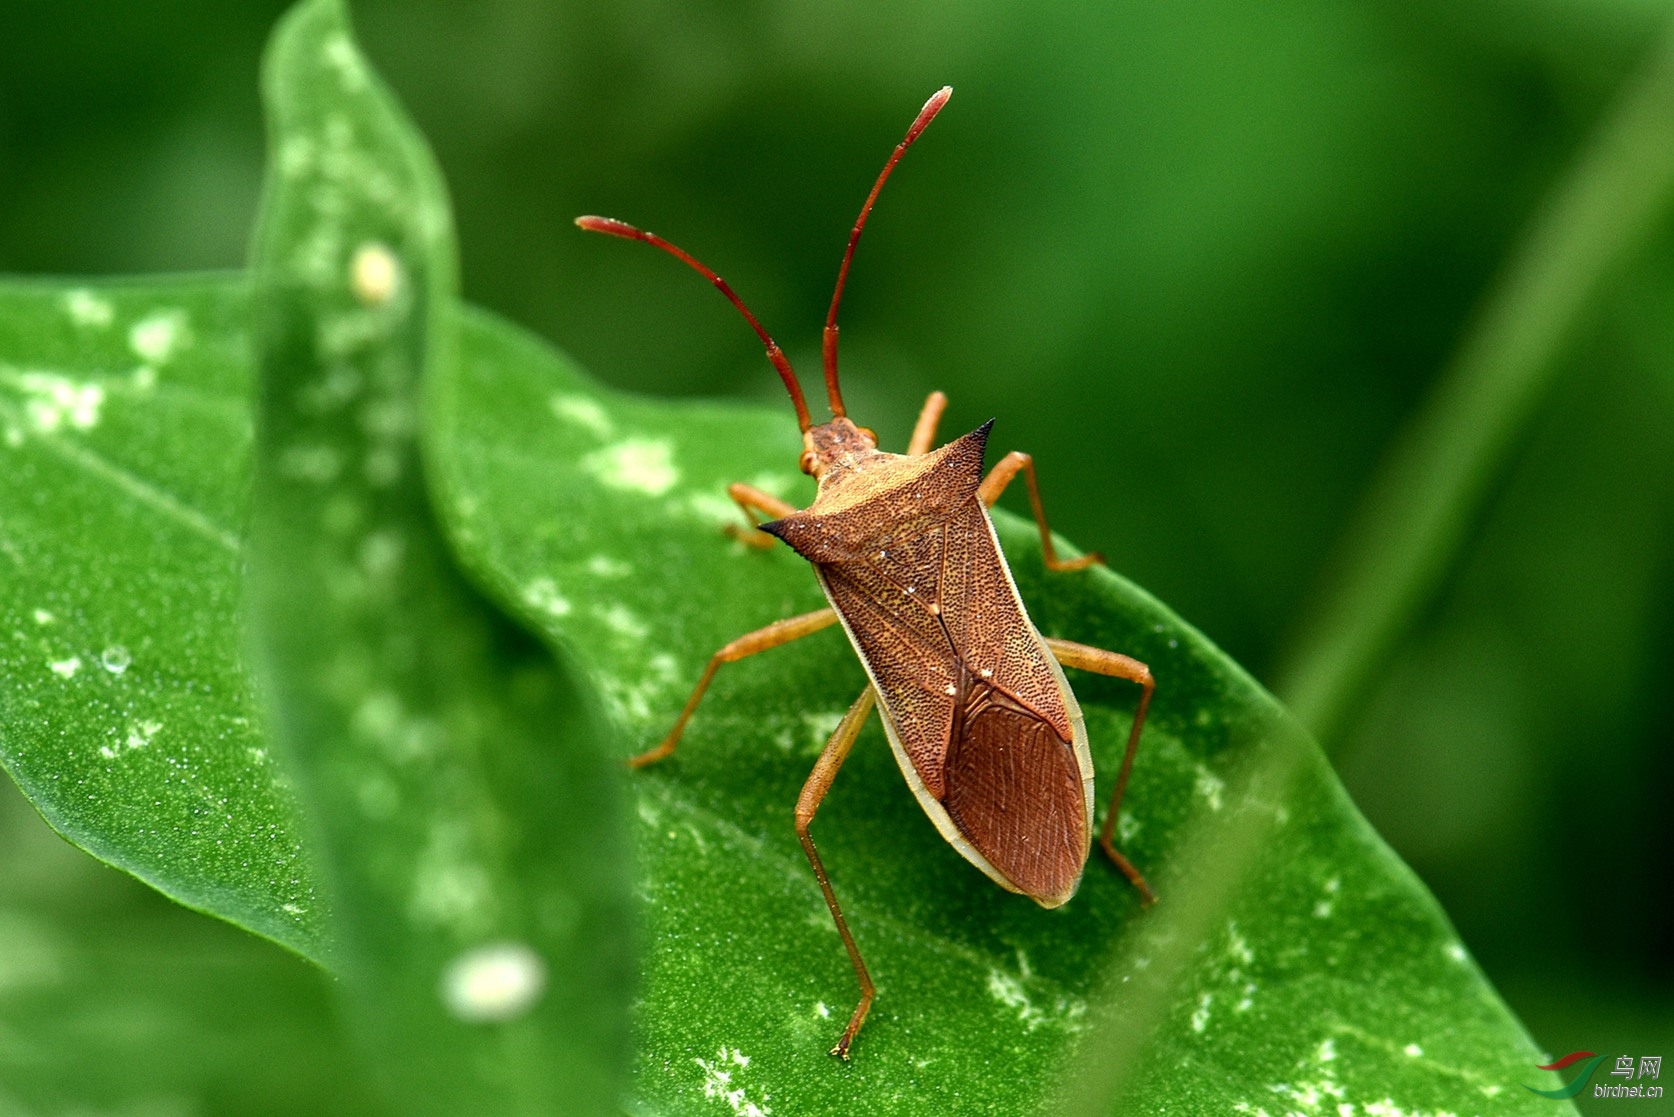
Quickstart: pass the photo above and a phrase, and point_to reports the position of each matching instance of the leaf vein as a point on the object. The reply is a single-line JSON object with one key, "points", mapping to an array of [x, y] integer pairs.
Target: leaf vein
{"points": [[143, 491]]}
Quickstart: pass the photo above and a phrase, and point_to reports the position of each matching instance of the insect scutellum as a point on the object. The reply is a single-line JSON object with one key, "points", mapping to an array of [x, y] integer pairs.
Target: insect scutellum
{"points": [[839, 442]]}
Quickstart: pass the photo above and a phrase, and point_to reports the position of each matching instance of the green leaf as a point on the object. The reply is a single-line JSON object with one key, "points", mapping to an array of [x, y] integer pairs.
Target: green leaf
{"points": [[114, 1000], [1329, 977], [125, 715], [472, 833]]}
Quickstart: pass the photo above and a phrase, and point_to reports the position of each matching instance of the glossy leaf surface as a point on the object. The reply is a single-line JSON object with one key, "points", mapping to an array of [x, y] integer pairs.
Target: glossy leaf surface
{"points": [[125, 714]]}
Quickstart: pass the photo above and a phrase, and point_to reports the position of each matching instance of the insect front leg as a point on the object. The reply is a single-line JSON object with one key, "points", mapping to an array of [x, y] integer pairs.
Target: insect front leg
{"points": [[995, 483], [775, 634], [752, 500], [813, 793], [924, 431], [1116, 666]]}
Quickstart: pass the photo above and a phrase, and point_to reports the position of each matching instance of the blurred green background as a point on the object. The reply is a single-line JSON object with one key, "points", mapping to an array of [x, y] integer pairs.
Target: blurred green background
{"points": [[1203, 260]]}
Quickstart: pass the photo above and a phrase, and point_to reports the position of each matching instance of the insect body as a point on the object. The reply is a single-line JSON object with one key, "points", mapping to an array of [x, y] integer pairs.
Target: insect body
{"points": [[973, 698]]}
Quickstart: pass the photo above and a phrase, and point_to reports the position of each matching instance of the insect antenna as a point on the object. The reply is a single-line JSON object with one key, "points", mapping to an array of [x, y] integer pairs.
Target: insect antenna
{"points": [[828, 343], [612, 227]]}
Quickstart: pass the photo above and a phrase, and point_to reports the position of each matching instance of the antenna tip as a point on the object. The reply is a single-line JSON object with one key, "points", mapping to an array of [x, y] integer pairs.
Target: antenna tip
{"points": [[929, 111], [609, 226]]}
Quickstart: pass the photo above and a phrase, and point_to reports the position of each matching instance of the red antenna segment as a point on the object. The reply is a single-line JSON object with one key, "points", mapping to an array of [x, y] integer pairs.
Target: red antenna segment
{"points": [[828, 343], [612, 227]]}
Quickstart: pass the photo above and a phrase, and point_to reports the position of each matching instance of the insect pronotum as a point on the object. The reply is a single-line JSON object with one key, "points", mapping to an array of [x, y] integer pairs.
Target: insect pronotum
{"points": [[972, 697]]}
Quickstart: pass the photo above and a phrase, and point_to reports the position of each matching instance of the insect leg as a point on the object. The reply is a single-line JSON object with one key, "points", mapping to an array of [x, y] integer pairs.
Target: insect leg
{"points": [[1116, 666], [995, 483], [753, 500], [779, 632], [924, 431], [813, 793]]}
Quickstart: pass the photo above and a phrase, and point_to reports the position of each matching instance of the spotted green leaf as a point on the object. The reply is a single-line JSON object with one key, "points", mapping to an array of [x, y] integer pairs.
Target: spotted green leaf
{"points": [[471, 831], [1324, 977], [125, 715]]}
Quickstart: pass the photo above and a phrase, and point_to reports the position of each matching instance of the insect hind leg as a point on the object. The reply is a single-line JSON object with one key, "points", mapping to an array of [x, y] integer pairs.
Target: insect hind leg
{"points": [[813, 794], [1116, 666]]}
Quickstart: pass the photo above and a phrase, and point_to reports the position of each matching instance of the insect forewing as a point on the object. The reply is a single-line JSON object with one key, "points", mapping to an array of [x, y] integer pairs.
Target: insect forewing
{"points": [[977, 711]]}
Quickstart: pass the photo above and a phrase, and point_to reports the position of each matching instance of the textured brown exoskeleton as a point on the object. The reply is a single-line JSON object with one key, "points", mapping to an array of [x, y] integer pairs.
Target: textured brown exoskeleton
{"points": [[972, 696]]}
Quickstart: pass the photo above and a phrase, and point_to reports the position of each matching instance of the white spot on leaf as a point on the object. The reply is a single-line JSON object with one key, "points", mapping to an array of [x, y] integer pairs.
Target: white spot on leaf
{"points": [[603, 566], [1127, 827], [87, 309], [1237, 947], [1200, 1017], [381, 553], [378, 717], [1009, 991], [66, 668], [768, 481], [643, 465], [340, 55], [1064, 1011], [1210, 786], [139, 736], [585, 413], [820, 725], [493, 983], [52, 401], [450, 887], [374, 274], [543, 594], [718, 1082], [156, 337], [713, 508], [622, 621]]}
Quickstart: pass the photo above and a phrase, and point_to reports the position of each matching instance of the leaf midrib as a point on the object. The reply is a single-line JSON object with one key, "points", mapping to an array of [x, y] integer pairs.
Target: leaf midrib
{"points": [[124, 480]]}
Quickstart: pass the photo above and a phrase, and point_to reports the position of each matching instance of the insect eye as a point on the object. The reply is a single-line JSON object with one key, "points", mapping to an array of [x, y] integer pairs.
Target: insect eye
{"points": [[807, 462]]}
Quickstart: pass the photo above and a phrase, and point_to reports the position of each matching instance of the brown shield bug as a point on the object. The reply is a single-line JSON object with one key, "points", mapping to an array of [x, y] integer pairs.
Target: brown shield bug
{"points": [[973, 698]]}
